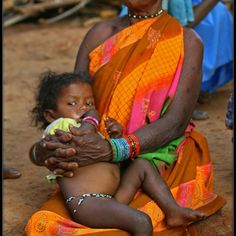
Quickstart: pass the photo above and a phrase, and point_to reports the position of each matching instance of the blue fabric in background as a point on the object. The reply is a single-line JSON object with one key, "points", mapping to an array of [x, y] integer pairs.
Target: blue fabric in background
{"points": [[216, 32], [182, 10], [124, 11]]}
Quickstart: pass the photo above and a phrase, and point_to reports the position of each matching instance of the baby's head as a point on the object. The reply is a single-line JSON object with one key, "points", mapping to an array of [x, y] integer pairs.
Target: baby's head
{"points": [[67, 95]]}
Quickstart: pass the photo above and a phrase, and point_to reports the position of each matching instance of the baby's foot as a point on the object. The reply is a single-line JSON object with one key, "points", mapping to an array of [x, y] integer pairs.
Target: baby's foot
{"points": [[183, 216]]}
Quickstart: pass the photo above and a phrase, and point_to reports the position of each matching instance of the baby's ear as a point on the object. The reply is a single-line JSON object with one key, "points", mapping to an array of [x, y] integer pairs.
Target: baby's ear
{"points": [[50, 115]]}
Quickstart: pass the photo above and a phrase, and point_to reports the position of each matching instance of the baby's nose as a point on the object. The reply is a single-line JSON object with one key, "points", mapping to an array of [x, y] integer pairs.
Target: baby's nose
{"points": [[83, 107]]}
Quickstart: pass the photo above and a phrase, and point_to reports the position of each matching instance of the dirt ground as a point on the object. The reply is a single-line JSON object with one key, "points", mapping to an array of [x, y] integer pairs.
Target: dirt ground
{"points": [[28, 50]]}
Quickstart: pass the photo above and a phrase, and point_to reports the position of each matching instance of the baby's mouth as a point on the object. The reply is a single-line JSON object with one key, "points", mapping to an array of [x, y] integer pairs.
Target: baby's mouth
{"points": [[80, 116]]}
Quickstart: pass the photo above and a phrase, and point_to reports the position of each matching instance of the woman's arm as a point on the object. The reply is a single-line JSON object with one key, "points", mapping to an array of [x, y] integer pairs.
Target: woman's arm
{"points": [[95, 36], [173, 124], [178, 115], [91, 148], [201, 11]]}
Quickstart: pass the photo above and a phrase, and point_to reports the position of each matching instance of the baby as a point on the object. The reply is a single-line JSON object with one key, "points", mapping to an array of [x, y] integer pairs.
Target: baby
{"points": [[96, 196]]}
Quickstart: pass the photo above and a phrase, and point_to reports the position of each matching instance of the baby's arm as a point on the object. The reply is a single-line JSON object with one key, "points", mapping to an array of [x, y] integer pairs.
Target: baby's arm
{"points": [[114, 129]]}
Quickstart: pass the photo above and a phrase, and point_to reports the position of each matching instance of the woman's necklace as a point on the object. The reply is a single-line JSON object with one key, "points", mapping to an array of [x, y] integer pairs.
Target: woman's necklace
{"points": [[131, 15]]}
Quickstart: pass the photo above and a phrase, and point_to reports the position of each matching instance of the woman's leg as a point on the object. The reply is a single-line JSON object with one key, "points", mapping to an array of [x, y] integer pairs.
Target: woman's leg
{"points": [[141, 174], [108, 213]]}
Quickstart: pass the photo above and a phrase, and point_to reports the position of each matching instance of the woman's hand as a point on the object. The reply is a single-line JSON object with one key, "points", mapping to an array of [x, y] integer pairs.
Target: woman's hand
{"points": [[90, 147], [83, 147], [43, 153]]}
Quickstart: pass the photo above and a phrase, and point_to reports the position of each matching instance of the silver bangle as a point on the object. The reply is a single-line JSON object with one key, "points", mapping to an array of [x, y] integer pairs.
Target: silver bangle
{"points": [[33, 157]]}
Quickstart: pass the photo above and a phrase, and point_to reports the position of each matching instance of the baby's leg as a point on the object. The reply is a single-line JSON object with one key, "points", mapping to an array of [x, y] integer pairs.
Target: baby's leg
{"points": [[141, 174], [108, 213]]}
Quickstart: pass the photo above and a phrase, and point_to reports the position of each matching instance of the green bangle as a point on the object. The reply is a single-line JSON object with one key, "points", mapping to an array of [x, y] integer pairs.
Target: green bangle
{"points": [[115, 150]]}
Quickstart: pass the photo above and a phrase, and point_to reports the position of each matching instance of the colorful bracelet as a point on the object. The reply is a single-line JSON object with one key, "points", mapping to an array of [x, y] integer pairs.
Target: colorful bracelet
{"points": [[129, 143], [137, 145], [120, 148], [114, 151], [134, 145], [91, 120]]}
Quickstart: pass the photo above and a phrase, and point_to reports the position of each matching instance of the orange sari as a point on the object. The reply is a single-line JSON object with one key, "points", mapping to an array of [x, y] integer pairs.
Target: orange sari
{"points": [[136, 74]]}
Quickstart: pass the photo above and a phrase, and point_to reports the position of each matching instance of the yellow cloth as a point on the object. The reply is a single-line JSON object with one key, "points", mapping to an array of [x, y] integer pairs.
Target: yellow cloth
{"points": [[62, 124]]}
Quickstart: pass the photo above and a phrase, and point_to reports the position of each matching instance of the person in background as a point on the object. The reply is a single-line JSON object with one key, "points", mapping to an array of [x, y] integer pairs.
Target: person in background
{"points": [[214, 24], [229, 118]]}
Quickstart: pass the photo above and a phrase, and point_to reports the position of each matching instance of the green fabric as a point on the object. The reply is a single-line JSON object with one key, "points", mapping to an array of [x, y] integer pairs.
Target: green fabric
{"points": [[167, 154], [52, 178], [165, 106]]}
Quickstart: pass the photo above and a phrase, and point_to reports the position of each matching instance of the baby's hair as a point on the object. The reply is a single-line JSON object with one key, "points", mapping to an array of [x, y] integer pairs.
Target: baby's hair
{"points": [[50, 85]]}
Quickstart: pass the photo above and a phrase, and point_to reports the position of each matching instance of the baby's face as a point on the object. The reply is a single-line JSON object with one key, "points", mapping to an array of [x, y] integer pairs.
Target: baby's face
{"points": [[75, 100]]}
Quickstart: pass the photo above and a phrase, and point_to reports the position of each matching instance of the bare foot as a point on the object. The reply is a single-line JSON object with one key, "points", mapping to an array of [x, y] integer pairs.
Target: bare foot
{"points": [[183, 216], [10, 173]]}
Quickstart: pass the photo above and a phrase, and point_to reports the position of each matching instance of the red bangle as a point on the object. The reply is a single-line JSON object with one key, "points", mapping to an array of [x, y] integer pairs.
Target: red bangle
{"points": [[137, 145], [134, 146]]}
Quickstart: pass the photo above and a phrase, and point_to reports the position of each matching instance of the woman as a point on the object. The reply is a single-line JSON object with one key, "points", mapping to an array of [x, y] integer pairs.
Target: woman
{"points": [[148, 79]]}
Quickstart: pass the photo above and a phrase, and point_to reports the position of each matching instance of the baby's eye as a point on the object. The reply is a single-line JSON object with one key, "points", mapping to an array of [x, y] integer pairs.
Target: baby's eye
{"points": [[71, 103], [90, 103]]}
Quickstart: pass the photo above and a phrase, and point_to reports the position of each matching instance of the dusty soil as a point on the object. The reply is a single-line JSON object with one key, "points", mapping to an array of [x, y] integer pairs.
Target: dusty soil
{"points": [[28, 50]]}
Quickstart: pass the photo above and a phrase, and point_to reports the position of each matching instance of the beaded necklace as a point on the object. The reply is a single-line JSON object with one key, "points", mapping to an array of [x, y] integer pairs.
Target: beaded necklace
{"points": [[131, 15]]}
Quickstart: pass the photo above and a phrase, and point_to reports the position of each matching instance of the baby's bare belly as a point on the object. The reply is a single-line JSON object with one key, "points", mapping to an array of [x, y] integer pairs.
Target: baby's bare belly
{"points": [[97, 178]]}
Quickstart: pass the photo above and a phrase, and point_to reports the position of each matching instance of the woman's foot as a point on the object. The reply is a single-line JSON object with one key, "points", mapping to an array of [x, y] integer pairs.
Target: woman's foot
{"points": [[10, 173], [183, 216]]}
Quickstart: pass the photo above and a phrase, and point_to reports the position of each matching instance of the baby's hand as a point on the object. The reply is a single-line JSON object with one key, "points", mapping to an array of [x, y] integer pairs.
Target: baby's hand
{"points": [[114, 129]]}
